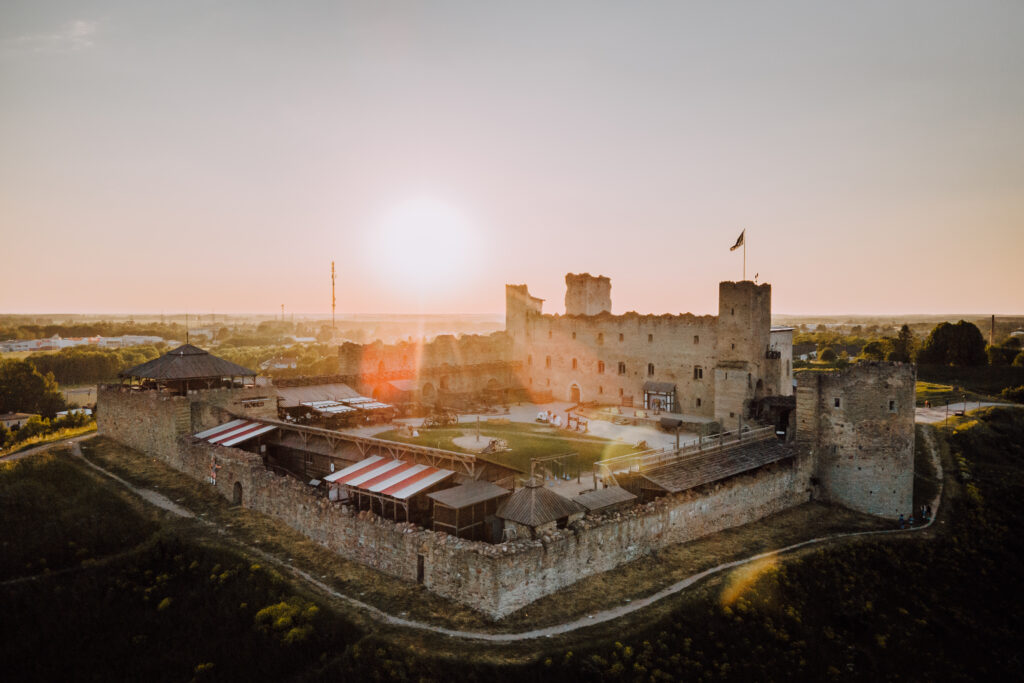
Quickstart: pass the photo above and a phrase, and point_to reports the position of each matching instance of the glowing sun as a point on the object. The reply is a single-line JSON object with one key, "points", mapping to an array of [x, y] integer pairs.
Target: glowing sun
{"points": [[424, 245]]}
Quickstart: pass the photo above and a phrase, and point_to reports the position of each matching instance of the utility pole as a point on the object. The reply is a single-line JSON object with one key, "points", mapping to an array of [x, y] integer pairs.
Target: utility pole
{"points": [[334, 329]]}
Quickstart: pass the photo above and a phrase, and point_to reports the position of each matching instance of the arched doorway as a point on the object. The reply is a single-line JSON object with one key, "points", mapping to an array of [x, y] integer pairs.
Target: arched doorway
{"points": [[574, 394], [236, 493], [759, 390]]}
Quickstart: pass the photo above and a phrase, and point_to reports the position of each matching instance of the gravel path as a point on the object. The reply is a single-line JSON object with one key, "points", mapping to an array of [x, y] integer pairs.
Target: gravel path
{"points": [[549, 631]]}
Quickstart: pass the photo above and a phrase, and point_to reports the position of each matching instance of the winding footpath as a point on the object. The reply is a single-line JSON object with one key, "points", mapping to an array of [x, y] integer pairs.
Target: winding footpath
{"points": [[549, 631]]}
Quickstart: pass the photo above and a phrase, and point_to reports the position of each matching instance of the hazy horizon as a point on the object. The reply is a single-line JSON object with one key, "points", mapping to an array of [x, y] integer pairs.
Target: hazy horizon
{"points": [[215, 157]]}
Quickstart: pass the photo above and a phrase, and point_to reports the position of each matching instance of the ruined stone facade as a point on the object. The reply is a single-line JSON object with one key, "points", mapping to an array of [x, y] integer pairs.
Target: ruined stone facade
{"points": [[494, 579], [440, 371], [717, 364], [857, 426]]}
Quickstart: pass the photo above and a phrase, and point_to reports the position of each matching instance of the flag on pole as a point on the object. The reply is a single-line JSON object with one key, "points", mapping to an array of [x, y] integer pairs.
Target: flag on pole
{"points": [[739, 241]]}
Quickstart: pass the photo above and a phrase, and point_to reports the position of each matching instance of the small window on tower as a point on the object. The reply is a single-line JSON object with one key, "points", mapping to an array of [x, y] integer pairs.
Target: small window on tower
{"points": [[650, 369], [698, 403], [574, 364], [621, 336], [600, 366], [573, 335], [548, 382], [549, 334], [650, 338], [529, 360], [600, 337], [734, 346], [892, 406], [547, 361], [620, 391], [696, 339], [622, 368], [600, 389], [836, 402]]}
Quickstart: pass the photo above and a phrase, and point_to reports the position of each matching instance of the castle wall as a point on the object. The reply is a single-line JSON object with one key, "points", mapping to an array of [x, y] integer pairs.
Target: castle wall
{"points": [[495, 579], [458, 365], [586, 294], [744, 323], [863, 448], [674, 345]]}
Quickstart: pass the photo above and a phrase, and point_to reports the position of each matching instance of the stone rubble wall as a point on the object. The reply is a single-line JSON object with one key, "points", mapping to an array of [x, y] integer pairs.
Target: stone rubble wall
{"points": [[494, 579]]}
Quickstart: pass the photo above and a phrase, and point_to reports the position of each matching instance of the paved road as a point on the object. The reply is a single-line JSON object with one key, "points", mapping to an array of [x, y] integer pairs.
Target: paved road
{"points": [[938, 413]]}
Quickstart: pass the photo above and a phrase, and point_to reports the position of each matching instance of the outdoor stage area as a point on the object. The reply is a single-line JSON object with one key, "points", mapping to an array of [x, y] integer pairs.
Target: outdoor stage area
{"points": [[522, 439]]}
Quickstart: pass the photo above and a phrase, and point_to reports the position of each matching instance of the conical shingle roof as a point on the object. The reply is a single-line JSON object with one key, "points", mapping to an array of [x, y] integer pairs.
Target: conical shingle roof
{"points": [[187, 362], [534, 505]]}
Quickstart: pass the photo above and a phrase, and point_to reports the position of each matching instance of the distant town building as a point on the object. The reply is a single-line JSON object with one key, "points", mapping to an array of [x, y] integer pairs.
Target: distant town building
{"points": [[16, 420]]}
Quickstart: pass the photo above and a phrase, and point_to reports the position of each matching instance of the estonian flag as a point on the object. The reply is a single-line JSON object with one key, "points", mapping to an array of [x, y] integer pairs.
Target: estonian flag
{"points": [[739, 241]]}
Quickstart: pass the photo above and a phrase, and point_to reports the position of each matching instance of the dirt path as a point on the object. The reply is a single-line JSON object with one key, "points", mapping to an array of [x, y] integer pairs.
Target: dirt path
{"points": [[150, 496], [45, 447], [546, 632]]}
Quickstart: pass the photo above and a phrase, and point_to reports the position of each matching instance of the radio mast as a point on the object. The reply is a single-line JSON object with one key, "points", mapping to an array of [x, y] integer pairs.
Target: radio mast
{"points": [[334, 330]]}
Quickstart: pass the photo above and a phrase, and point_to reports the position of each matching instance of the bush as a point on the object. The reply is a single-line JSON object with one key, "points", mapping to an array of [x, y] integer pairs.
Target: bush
{"points": [[1013, 393], [827, 355]]}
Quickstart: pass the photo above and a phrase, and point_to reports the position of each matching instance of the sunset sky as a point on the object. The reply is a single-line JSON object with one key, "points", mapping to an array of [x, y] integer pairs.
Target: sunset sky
{"points": [[216, 156]]}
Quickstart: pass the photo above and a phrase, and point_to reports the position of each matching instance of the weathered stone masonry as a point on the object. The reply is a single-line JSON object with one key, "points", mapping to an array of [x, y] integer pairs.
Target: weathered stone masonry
{"points": [[494, 579], [858, 453]]}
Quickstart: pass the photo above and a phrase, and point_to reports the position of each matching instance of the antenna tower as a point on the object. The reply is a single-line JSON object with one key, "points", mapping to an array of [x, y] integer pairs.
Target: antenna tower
{"points": [[334, 329]]}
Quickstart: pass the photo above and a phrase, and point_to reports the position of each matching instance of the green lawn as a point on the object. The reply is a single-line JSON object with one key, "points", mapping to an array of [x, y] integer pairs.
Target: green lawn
{"points": [[525, 440], [938, 394]]}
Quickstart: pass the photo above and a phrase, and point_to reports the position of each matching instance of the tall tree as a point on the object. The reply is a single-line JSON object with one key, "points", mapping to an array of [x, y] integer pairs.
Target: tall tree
{"points": [[959, 344], [23, 388], [903, 345]]}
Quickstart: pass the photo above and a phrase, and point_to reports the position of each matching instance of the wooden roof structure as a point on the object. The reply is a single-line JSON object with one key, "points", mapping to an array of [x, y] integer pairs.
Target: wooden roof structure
{"points": [[185, 363], [534, 505], [712, 465], [602, 499]]}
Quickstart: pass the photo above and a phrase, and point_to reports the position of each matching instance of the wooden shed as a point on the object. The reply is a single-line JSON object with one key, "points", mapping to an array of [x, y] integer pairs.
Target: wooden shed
{"points": [[467, 511]]}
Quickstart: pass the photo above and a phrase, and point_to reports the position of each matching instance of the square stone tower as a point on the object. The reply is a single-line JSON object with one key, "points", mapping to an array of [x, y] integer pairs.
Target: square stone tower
{"points": [[586, 294]]}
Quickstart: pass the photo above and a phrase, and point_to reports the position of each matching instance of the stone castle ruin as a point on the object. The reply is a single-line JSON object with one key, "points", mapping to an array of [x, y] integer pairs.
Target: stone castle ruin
{"points": [[484, 534]]}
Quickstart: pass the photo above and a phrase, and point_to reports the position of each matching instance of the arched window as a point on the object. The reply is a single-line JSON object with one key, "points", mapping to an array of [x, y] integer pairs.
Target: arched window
{"points": [[547, 361], [529, 360], [573, 335], [600, 337], [650, 369], [650, 338]]}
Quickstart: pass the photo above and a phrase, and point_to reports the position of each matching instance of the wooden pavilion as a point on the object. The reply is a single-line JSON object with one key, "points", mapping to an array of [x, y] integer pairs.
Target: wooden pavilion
{"points": [[187, 368]]}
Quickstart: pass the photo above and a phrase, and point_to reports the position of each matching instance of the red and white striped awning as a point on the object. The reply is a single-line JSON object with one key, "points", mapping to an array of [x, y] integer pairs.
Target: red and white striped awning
{"points": [[395, 478], [234, 432]]}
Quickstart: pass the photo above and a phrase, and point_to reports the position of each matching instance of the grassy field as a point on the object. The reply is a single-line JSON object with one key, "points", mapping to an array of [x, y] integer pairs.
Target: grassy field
{"points": [[987, 380], [42, 439], [939, 394], [525, 441], [184, 603], [123, 592]]}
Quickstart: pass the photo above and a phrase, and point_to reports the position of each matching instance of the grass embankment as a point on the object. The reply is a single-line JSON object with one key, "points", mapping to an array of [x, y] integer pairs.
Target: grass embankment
{"points": [[43, 439], [121, 591], [985, 380], [269, 535], [932, 605], [525, 441], [940, 394]]}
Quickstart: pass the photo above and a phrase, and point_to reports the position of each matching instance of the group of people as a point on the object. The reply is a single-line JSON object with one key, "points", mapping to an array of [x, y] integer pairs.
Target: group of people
{"points": [[924, 516]]}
